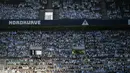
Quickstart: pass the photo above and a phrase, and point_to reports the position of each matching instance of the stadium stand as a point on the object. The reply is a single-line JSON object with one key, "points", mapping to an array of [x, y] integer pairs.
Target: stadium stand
{"points": [[67, 9], [103, 52], [66, 51]]}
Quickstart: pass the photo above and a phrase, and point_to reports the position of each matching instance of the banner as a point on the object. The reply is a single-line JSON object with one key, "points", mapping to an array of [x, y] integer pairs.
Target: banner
{"points": [[67, 22]]}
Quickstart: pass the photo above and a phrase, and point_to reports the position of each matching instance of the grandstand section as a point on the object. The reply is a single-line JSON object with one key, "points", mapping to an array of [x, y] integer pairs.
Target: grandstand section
{"points": [[68, 51], [65, 9]]}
